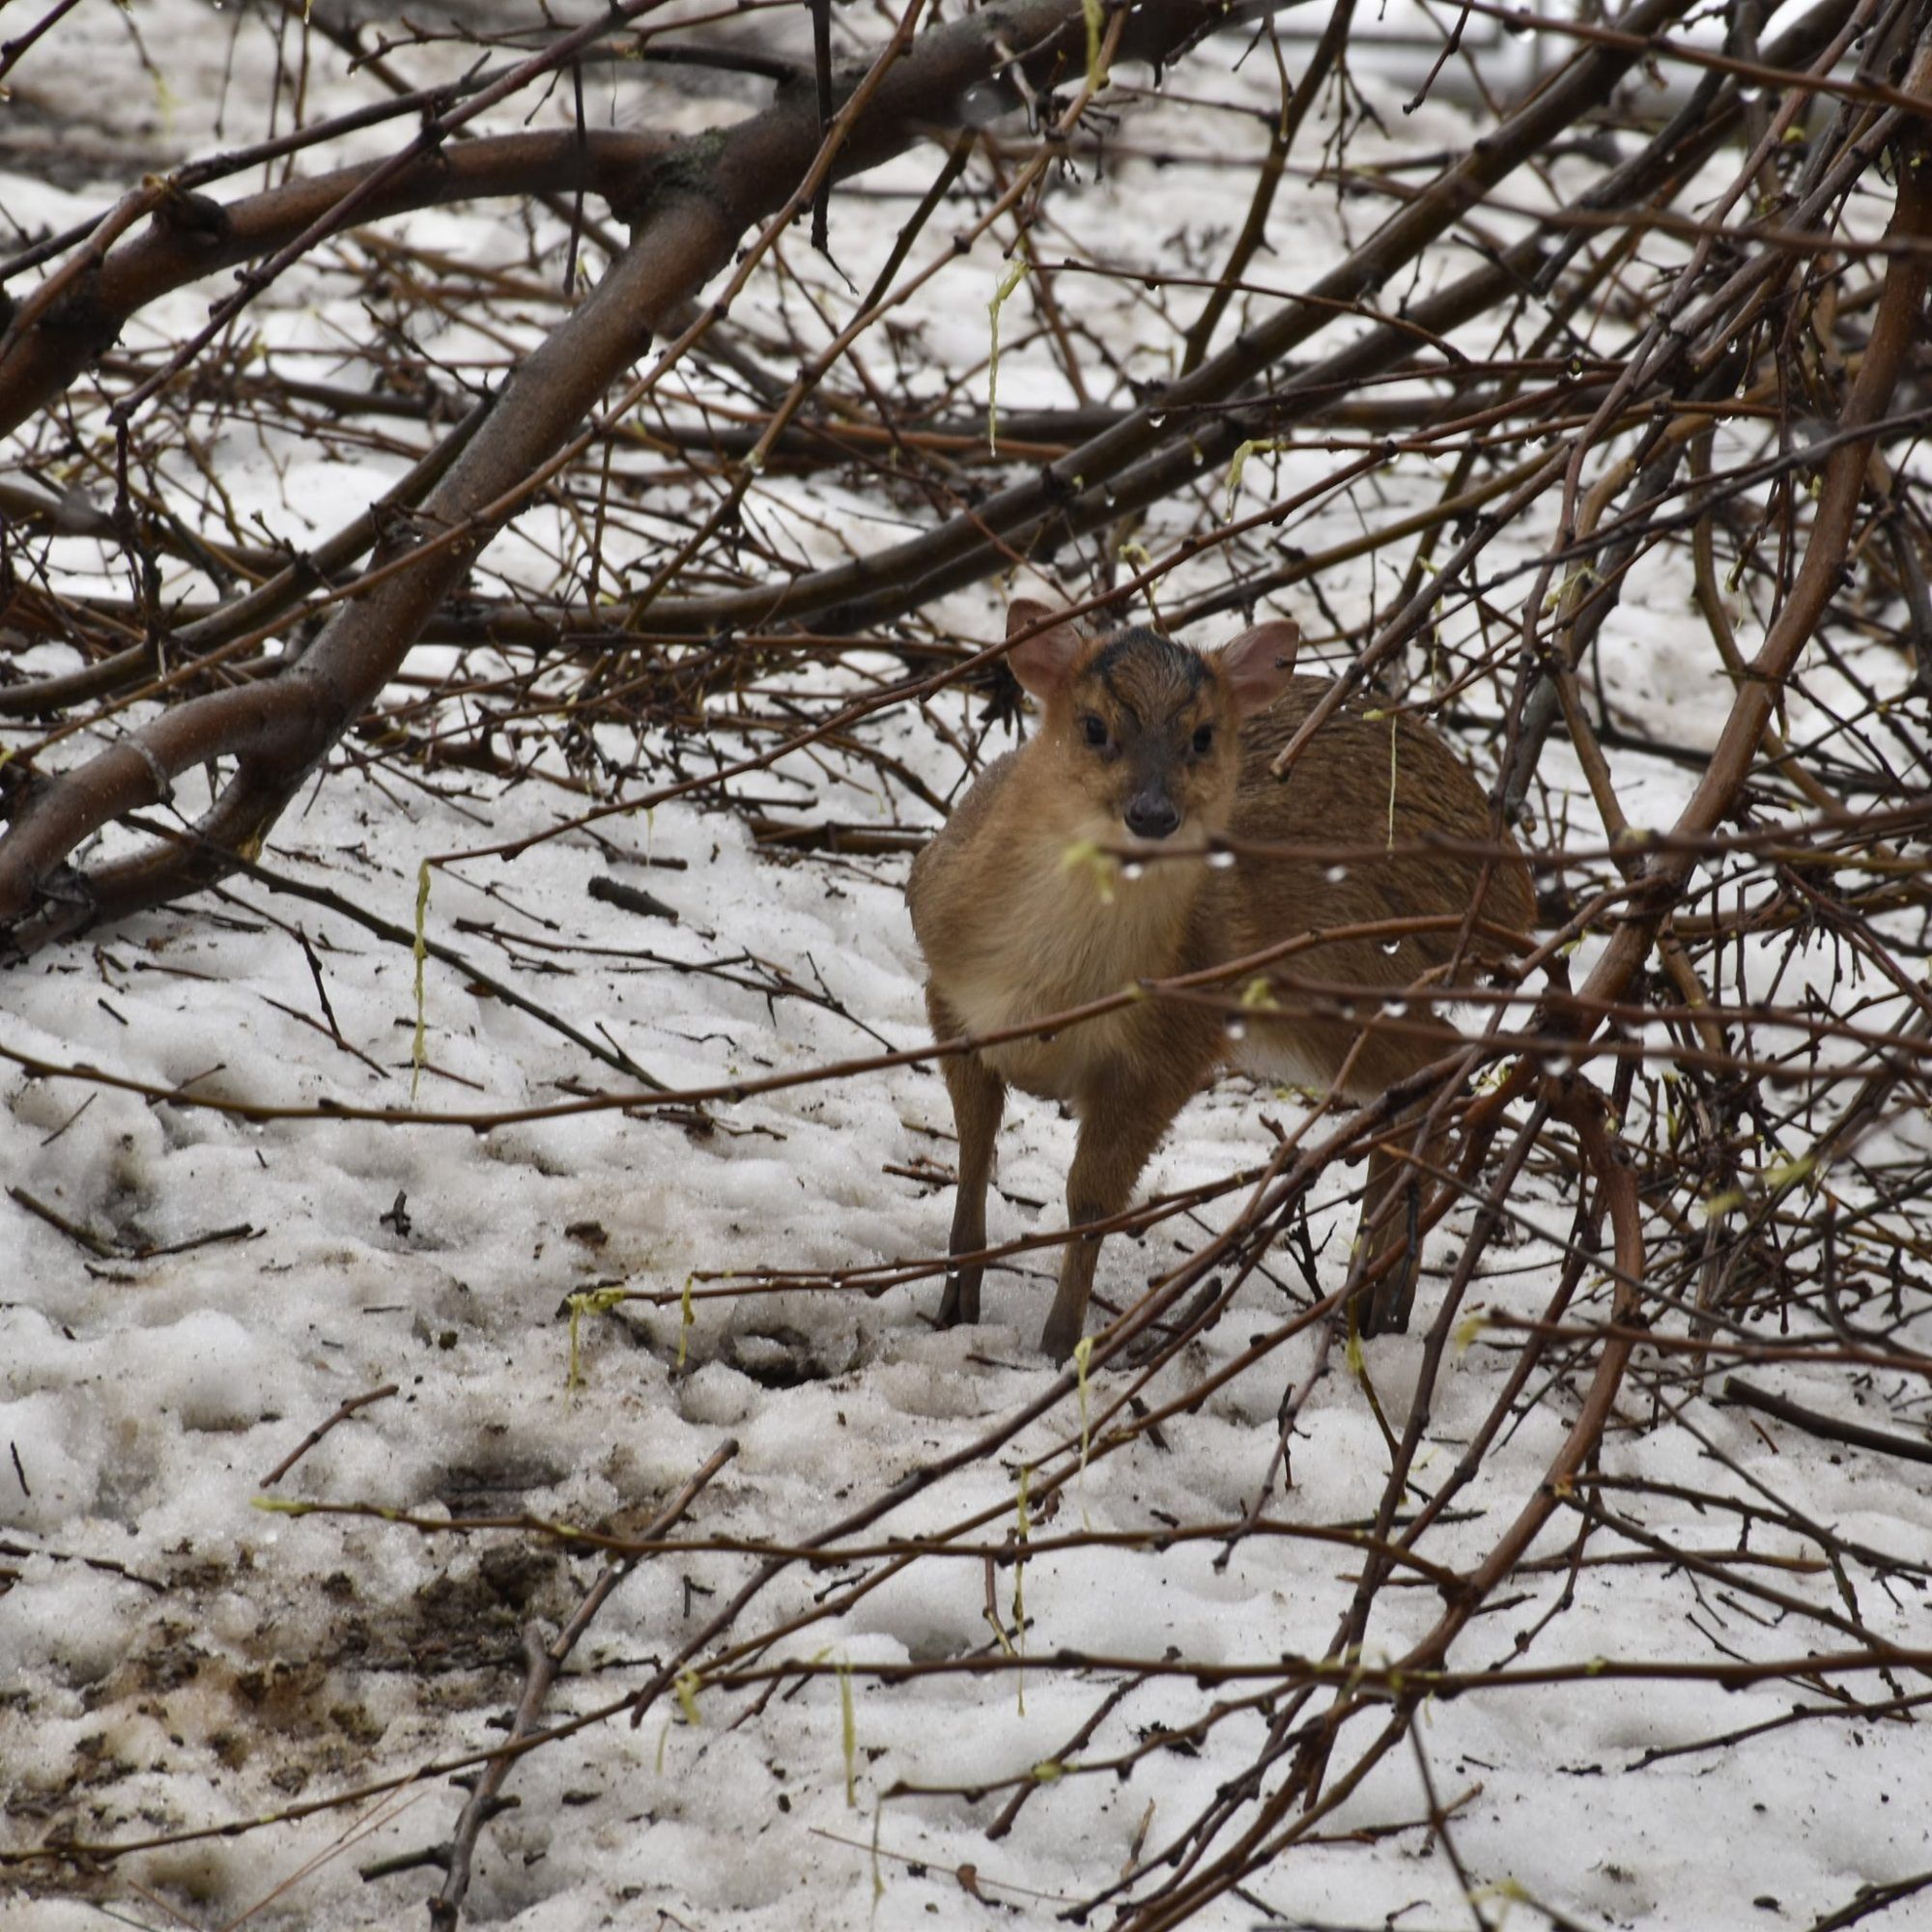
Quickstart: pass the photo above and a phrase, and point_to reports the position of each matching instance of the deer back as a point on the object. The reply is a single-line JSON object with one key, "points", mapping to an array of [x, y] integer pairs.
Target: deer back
{"points": [[1387, 785]]}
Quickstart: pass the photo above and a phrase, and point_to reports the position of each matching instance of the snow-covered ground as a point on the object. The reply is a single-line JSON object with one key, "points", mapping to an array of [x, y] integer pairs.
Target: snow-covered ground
{"points": [[173, 1657]]}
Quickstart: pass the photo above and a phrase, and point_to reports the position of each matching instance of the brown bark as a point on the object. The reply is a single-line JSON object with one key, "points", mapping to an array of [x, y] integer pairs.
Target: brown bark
{"points": [[1897, 328], [45, 348], [691, 210]]}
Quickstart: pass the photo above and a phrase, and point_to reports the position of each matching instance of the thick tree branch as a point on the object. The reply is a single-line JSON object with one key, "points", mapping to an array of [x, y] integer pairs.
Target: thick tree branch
{"points": [[691, 210]]}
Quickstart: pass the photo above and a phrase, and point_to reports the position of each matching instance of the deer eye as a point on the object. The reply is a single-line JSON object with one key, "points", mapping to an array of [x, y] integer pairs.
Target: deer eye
{"points": [[1203, 741], [1095, 730]]}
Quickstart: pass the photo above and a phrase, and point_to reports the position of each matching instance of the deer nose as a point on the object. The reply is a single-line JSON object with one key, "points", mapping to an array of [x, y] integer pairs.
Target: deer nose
{"points": [[1151, 814]]}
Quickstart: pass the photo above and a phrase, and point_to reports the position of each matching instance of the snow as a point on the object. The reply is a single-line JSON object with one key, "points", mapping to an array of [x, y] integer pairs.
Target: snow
{"points": [[174, 1655]]}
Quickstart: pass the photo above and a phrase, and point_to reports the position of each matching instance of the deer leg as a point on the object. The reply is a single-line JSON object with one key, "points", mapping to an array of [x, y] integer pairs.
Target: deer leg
{"points": [[1384, 1230], [1117, 1131], [978, 1099]]}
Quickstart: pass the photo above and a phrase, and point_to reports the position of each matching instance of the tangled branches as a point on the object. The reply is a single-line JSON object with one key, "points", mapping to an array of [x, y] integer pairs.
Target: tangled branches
{"points": [[1596, 437]]}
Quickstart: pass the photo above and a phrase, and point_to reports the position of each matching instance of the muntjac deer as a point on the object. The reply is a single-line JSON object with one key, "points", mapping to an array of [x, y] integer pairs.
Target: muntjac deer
{"points": [[1147, 745]]}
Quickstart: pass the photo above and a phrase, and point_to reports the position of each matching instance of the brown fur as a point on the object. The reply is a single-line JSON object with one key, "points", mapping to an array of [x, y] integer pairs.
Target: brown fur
{"points": [[1012, 932]]}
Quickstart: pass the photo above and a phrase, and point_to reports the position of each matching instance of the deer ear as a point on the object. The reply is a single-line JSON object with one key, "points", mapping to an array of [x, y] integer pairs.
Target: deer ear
{"points": [[1041, 663], [1259, 664]]}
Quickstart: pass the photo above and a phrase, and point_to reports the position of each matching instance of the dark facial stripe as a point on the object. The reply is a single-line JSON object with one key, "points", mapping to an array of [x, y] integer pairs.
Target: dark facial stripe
{"points": [[1160, 655], [1114, 690]]}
